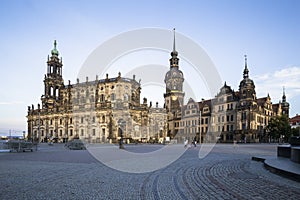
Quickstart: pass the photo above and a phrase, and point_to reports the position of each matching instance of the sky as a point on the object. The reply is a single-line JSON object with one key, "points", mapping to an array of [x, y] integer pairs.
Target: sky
{"points": [[267, 31]]}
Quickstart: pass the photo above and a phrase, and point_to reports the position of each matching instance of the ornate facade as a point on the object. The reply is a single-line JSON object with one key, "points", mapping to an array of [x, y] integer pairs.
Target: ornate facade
{"points": [[231, 115], [95, 111]]}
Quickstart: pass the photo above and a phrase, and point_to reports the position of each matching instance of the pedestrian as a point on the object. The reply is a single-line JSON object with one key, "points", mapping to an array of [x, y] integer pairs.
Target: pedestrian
{"points": [[186, 143], [195, 141]]}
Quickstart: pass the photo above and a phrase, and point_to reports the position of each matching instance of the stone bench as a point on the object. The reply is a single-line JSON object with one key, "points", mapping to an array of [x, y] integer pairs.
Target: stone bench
{"points": [[284, 150], [295, 154]]}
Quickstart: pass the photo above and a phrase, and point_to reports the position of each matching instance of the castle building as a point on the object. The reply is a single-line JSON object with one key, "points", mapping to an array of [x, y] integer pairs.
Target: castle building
{"points": [[96, 111], [230, 115]]}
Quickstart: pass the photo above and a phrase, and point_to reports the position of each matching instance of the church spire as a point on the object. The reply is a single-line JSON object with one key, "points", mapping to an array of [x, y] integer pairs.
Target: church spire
{"points": [[246, 71], [283, 95], [174, 49], [174, 59], [54, 51]]}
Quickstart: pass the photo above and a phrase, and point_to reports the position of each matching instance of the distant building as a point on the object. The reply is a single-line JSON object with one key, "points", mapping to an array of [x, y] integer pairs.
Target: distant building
{"points": [[295, 121]]}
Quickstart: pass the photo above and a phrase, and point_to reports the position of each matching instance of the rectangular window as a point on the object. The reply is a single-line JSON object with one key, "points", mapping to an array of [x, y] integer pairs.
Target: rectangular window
{"points": [[206, 120], [81, 119], [227, 118], [60, 132], [231, 118], [82, 132], [243, 126], [71, 131]]}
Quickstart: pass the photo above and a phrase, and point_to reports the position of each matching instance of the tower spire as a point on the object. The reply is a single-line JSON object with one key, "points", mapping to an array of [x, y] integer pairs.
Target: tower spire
{"points": [[174, 59], [54, 51], [246, 71], [174, 49], [283, 95]]}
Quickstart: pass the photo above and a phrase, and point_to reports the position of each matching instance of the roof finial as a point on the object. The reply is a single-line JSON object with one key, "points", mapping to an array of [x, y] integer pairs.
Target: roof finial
{"points": [[174, 49], [54, 51], [245, 61], [283, 91]]}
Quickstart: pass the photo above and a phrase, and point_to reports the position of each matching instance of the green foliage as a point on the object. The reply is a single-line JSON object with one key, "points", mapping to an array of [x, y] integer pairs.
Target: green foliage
{"points": [[279, 126], [295, 131]]}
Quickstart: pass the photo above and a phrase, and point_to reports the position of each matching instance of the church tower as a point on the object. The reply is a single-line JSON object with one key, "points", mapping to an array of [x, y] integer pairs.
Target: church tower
{"points": [[53, 80], [285, 105], [247, 87], [174, 95]]}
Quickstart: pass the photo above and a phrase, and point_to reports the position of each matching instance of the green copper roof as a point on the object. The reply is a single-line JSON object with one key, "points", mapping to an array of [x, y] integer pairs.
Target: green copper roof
{"points": [[54, 51]]}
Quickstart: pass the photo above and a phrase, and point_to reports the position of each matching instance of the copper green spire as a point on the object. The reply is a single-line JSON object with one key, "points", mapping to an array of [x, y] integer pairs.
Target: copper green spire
{"points": [[54, 51]]}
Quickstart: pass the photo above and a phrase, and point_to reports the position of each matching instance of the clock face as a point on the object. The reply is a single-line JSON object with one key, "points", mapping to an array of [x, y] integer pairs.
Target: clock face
{"points": [[174, 98]]}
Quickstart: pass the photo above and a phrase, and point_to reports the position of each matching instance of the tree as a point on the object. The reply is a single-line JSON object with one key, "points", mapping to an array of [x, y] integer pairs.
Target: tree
{"points": [[279, 127], [295, 131]]}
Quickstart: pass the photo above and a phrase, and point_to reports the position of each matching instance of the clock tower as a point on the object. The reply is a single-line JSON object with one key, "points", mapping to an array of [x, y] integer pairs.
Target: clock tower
{"points": [[174, 84]]}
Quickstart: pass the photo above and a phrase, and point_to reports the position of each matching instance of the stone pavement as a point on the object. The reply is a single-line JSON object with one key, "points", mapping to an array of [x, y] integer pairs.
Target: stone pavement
{"points": [[227, 172], [280, 165]]}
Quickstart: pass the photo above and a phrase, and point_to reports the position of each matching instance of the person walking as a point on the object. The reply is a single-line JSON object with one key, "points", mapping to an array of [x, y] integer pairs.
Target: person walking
{"points": [[186, 143]]}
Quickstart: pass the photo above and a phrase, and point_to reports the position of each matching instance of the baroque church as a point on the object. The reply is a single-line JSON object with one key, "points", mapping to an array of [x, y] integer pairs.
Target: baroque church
{"points": [[98, 111], [106, 110]]}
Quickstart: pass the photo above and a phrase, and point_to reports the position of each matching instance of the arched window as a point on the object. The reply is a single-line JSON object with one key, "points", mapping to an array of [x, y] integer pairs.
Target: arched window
{"points": [[102, 99]]}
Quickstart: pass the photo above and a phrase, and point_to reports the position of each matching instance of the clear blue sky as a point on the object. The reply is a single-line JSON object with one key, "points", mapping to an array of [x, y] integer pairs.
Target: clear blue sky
{"points": [[267, 31]]}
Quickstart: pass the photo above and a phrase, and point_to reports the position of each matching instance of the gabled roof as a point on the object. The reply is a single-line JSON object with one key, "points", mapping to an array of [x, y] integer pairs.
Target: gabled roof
{"points": [[203, 103], [261, 101]]}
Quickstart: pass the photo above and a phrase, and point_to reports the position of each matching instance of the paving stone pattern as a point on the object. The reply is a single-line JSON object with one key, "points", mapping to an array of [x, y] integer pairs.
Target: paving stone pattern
{"points": [[226, 173]]}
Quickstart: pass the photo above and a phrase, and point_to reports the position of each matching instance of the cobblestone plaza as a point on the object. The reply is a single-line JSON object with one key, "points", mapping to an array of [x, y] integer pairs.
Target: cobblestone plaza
{"points": [[227, 172]]}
